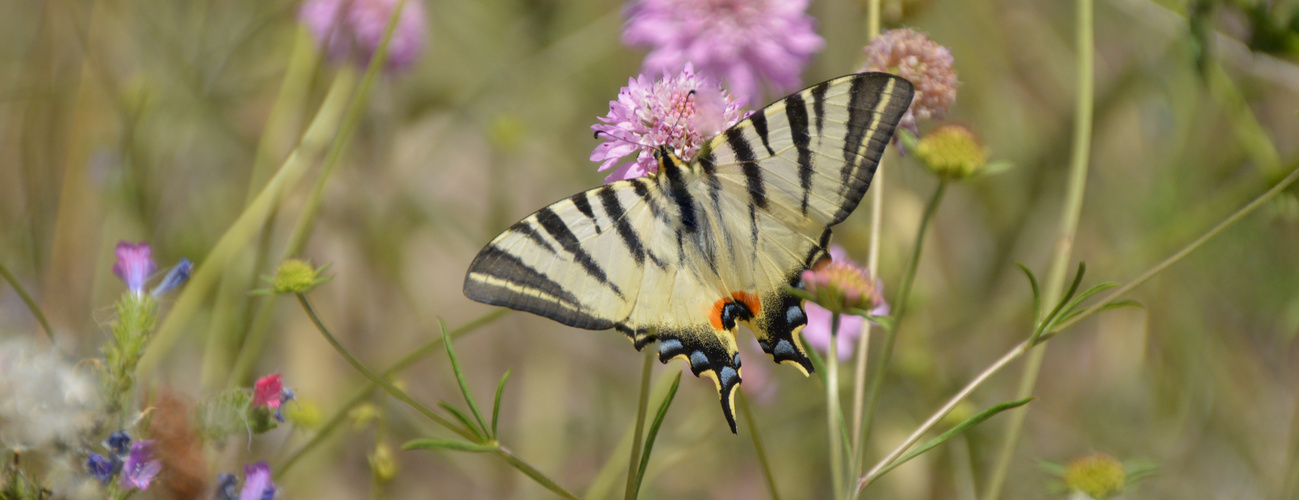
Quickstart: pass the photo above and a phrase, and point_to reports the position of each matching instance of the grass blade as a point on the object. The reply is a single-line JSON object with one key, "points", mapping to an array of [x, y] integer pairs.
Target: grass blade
{"points": [[461, 417], [446, 444], [654, 429], [961, 427], [1037, 291], [460, 376], [496, 403]]}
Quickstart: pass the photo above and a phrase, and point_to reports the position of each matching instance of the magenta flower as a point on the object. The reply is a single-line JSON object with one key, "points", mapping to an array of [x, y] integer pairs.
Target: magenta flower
{"points": [[738, 41], [257, 483], [268, 392], [852, 281], [134, 265], [140, 468], [679, 111], [929, 66], [354, 28]]}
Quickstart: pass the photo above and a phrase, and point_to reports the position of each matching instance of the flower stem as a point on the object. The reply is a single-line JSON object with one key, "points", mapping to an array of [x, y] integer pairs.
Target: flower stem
{"points": [[747, 415], [387, 386], [532, 472], [419, 353], [872, 267], [1064, 246], [633, 464], [933, 420], [899, 309], [832, 409], [27, 299]]}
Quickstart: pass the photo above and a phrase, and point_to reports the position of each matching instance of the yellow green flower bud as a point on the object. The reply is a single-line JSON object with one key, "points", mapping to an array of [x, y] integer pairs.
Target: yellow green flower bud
{"points": [[296, 276], [1098, 476], [952, 151], [304, 414], [383, 464]]}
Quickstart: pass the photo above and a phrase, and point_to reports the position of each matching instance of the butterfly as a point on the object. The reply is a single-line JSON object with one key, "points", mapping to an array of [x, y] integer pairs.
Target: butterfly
{"points": [[684, 256]]}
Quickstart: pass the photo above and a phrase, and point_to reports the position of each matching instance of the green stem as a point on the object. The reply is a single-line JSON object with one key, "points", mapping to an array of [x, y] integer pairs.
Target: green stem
{"points": [[634, 463], [532, 472], [1064, 246], [872, 267], [341, 415], [387, 386], [747, 415], [27, 299], [832, 409], [1150, 273], [899, 309], [256, 339]]}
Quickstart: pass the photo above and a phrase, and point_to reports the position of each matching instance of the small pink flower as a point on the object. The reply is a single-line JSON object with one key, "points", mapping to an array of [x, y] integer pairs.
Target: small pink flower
{"points": [[738, 41], [268, 392], [257, 482], [929, 66], [847, 281], [134, 265], [679, 111], [140, 467], [355, 28]]}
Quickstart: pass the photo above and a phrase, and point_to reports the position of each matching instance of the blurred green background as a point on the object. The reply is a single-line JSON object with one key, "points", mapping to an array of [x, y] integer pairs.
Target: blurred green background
{"points": [[141, 120]]}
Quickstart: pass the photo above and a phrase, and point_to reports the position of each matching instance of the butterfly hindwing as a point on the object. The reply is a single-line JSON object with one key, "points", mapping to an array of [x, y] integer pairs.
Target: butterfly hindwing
{"points": [[684, 256]]}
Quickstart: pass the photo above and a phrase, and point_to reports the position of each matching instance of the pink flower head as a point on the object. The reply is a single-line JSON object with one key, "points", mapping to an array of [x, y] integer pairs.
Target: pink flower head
{"points": [[929, 66], [850, 280], [738, 41], [355, 28], [679, 111], [134, 265], [140, 467], [268, 392]]}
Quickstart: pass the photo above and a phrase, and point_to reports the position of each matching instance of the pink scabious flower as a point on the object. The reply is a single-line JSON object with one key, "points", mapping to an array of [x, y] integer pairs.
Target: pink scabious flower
{"points": [[679, 111], [929, 66], [140, 467], [134, 265], [355, 28], [848, 281], [738, 41]]}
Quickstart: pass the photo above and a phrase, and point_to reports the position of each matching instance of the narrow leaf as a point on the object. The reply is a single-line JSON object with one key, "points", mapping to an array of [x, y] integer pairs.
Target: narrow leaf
{"points": [[1055, 312], [961, 427], [1072, 308], [800, 293], [446, 444], [460, 376], [1037, 292], [654, 429], [461, 417], [496, 405]]}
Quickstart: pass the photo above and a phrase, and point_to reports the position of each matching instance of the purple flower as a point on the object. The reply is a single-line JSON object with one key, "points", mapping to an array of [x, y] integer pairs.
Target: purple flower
{"points": [[738, 41], [681, 112], [257, 482], [134, 265], [176, 277], [119, 443], [100, 467], [847, 276], [929, 66], [227, 485], [140, 468], [355, 28]]}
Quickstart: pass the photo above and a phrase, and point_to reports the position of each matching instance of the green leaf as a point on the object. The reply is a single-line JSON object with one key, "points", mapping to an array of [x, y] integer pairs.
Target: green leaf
{"points": [[1072, 308], [1052, 468], [446, 444], [461, 417], [1037, 292], [818, 364], [496, 405], [961, 427], [1111, 305], [460, 376], [1050, 318], [654, 429]]}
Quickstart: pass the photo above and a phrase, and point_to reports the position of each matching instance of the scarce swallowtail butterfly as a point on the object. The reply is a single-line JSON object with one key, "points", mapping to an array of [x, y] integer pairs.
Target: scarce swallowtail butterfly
{"points": [[684, 256]]}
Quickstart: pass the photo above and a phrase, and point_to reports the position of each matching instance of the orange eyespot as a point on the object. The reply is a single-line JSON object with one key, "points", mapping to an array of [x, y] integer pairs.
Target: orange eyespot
{"points": [[750, 301], [715, 315], [741, 305]]}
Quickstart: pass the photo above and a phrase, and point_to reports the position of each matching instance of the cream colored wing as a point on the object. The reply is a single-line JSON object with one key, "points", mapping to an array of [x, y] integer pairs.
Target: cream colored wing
{"points": [[684, 256]]}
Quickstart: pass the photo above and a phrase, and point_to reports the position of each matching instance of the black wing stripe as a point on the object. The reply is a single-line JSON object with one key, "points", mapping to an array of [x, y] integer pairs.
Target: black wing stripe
{"points": [[749, 164], [525, 228], [796, 112], [680, 194], [583, 205], [612, 207], [759, 121], [861, 105], [818, 104], [553, 224]]}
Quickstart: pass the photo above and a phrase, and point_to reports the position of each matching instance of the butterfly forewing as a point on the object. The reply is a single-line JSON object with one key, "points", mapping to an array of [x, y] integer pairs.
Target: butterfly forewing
{"points": [[684, 256]]}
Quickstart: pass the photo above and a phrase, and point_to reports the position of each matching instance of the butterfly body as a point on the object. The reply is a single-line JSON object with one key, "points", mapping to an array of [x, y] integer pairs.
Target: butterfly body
{"points": [[686, 255]]}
